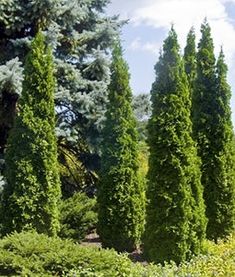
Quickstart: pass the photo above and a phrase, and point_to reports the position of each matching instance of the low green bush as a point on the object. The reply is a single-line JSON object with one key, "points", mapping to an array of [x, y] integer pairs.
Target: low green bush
{"points": [[31, 254], [77, 216], [218, 260]]}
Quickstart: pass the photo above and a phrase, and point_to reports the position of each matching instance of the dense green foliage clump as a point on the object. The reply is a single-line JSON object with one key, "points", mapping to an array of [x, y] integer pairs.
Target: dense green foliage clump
{"points": [[121, 195], [32, 192], [78, 216], [175, 224], [31, 254], [213, 132]]}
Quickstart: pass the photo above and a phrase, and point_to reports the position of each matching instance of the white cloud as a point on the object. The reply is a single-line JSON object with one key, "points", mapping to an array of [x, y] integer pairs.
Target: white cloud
{"points": [[138, 45], [125, 8], [183, 14], [135, 44], [227, 1], [152, 47]]}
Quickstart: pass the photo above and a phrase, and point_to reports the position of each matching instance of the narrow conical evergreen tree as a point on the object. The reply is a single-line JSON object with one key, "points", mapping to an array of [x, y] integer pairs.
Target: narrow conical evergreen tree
{"points": [[121, 195], [203, 95], [213, 132], [33, 187], [190, 66], [223, 222], [175, 223], [190, 59]]}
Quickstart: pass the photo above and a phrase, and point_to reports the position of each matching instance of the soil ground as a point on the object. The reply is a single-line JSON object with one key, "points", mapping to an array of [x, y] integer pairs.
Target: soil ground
{"points": [[94, 241]]}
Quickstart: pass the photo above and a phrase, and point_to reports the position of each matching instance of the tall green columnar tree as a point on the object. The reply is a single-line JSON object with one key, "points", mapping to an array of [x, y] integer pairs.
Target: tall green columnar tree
{"points": [[32, 191], [190, 59], [121, 195], [175, 223], [222, 221], [81, 34], [213, 132]]}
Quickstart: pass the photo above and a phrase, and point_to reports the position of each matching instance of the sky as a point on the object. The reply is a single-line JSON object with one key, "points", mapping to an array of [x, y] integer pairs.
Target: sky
{"points": [[150, 21]]}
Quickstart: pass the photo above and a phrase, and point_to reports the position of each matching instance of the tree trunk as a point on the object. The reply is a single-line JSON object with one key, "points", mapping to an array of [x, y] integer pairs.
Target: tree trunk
{"points": [[8, 102]]}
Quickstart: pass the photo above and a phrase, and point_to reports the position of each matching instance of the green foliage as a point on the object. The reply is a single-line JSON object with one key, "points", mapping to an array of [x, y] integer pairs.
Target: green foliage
{"points": [[30, 254], [214, 134], [222, 213], [32, 192], [121, 193], [143, 151], [80, 34], [75, 173], [77, 216], [190, 59], [218, 260], [175, 223]]}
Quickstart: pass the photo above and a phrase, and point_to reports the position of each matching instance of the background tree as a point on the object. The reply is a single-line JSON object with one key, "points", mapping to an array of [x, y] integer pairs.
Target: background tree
{"points": [[142, 110], [121, 195], [32, 192], [141, 106], [80, 34], [10, 88], [213, 132], [175, 223]]}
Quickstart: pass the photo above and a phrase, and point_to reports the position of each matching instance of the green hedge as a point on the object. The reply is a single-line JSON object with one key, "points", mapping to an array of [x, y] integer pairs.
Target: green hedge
{"points": [[30, 254]]}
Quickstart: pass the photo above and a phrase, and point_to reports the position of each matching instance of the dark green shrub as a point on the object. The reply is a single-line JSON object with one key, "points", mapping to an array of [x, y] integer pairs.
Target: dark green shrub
{"points": [[77, 216]]}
